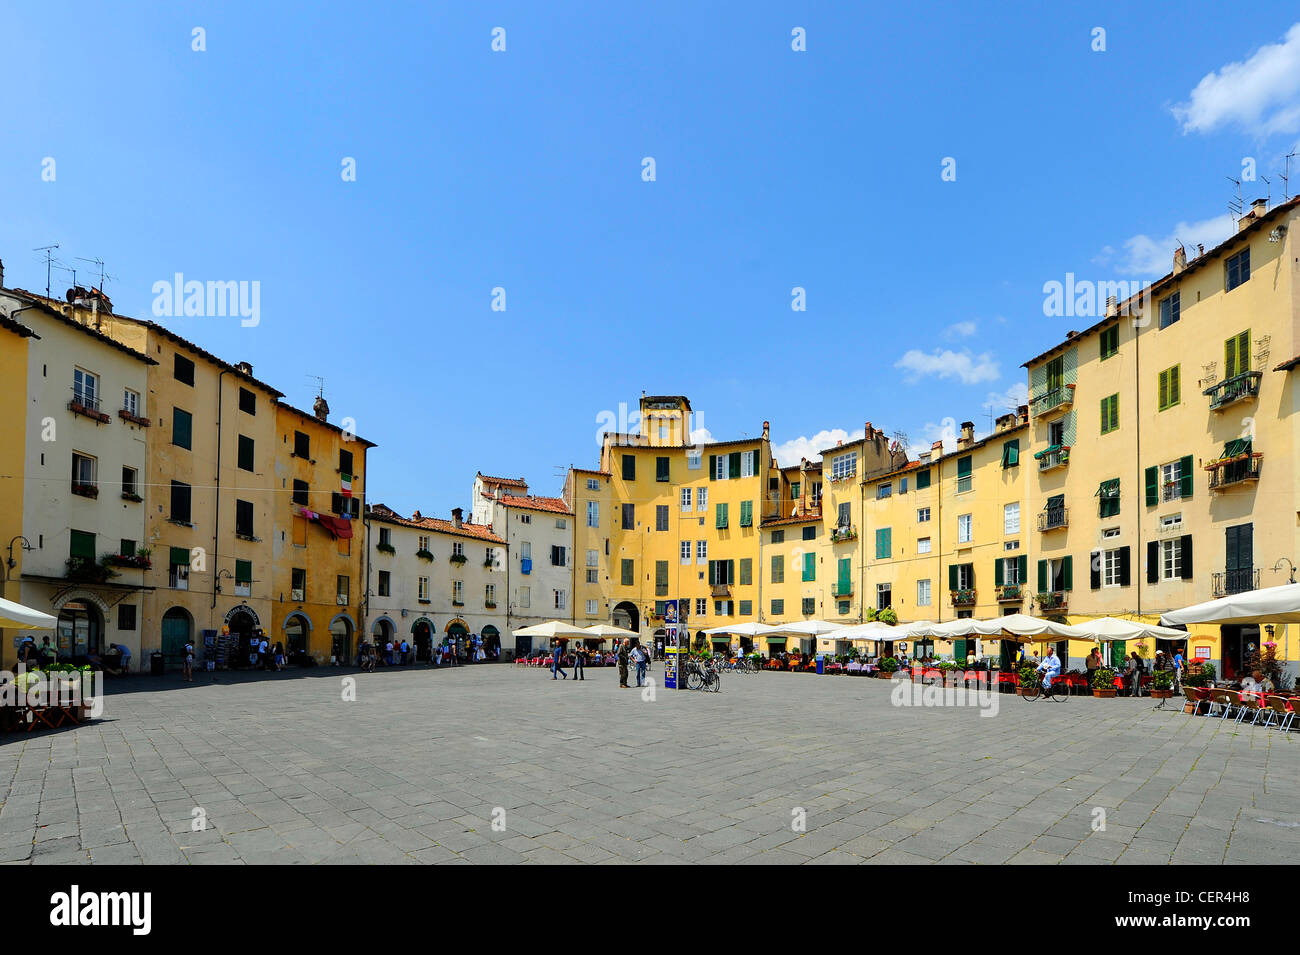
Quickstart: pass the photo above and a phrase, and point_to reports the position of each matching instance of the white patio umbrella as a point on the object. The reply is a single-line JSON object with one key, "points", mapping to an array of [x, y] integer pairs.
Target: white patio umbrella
{"points": [[872, 630], [1109, 629], [552, 630], [17, 616], [1023, 628], [1270, 605], [605, 631], [743, 629], [808, 628]]}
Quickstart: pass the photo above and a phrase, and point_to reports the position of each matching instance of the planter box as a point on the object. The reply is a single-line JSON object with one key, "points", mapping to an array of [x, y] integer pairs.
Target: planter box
{"points": [[1161, 694], [1104, 694]]}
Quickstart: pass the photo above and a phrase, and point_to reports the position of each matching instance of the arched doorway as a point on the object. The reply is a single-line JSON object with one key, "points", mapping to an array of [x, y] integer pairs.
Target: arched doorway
{"points": [[456, 629], [422, 637], [243, 626], [381, 631], [491, 642], [296, 628], [627, 616], [177, 631], [341, 639], [80, 629]]}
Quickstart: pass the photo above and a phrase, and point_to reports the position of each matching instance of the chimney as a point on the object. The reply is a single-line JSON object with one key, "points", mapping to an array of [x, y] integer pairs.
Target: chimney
{"points": [[320, 408], [1022, 414], [416, 517], [244, 368], [2, 273], [967, 435], [1180, 259], [1112, 306], [936, 449], [457, 516], [1006, 422], [767, 430]]}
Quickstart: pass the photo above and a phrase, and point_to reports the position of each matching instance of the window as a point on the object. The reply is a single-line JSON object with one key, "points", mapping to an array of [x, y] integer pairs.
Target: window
{"points": [[809, 566], [810, 532], [661, 470], [183, 370], [301, 445], [923, 593], [1011, 453], [746, 513], [884, 490], [243, 578], [593, 484], [701, 552], [686, 500], [85, 388], [1010, 571], [694, 459], [746, 608], [245, 458], [722, 608], [661, 517], [702, 499], [297, 582], [923, 545], [844, 466], [778, 537], [244, 519], [902, 485], [1174, 481], [126, 616], [180, 503], [778, 569], [629, 467], [247, 401], [720, 469], [342, 589], [525, 518], [844, 515], [627, 572], [421, 586], [130, 479], [178, 569], [386, 583], [884, 542], [525, 596], [1236, 355], [82, 544], [922, 479], [1111, 568], [458, 592], [1011, 545], [778, 608], [457, 549], [720, 515], [1175, 558], [963, 474], [961, 576], [963, 528], [746, 571], [1055, 371], [131, 402], [1108, 493], [1109, 414], [560, 599], [385, 537], [1011, 519], [525, 548], [628, 521], [1169, 310], [1109, 342], [84, 474], [182, 429], [593, 514], [809, 606], [661, 579], [559, 556], [345, 462], [748, 462], [701, 607], [1236, 270], [591, 608], [884, 596], [684, 552], [794, 490], [1169, 392], [922, 515], [489, 595]]}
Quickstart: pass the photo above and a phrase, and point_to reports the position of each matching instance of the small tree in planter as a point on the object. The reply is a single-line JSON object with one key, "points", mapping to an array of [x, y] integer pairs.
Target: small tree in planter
{"points": [[1027, 675], [888, 616], [888, 667], [1103, 682], [1162, 684]]}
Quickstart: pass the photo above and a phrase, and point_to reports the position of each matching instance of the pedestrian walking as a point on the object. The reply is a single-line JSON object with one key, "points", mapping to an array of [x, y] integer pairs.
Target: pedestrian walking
{"points": [[623, 651], [639, 658], [187, 671], [579, 662], [557, 663]]}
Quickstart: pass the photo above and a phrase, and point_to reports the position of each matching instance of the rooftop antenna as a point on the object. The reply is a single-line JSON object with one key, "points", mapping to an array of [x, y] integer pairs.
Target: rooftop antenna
{"points": [[102, 276], [320, 385], [1286, 177], [1236, 206], [49, 260]]}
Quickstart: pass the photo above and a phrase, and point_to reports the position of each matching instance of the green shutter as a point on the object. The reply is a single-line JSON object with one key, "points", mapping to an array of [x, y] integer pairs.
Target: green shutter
{"points": [[720, 515], [713, 572], [731, 571], [959, 651], [1011, 453], [733, 465], [1042, 576], [713, 467], [1163, 400], [1024, 569], [1067, 573], [82, 544], [1185, 475], [997, 572], [952, 576], [182, 428], [746, 513], [1243, 352], [1153, 486], [180, 557], [243, 571], [809, 566], [922, 479]]}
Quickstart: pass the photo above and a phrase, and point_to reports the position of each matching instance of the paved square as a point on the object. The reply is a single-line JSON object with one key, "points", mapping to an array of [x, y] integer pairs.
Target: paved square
{"points": [[413, 771]]}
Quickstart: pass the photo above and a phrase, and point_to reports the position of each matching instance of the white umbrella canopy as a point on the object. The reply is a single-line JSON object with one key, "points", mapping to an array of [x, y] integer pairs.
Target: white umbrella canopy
{"points": [[552, 630], [1270, 605], [25, 618], [1022, 627], [808, 628], [743, 629], [1109, 629], [872, 630], [605, 631], [910, 631]]}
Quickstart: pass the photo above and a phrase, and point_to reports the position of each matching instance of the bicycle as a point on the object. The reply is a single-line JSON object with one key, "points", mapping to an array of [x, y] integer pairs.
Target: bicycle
{"points": [[702, 676], [1058, 691]]}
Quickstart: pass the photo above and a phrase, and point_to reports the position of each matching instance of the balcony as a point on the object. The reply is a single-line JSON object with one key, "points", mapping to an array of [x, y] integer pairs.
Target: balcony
{"points": [[963, 598], [1054, 403], [842, 589], [1051, 518], [721, 590], [841, 534], [1228, 392], [1009, 593], [1234, 472], [87, 406], [130, 416], [1054, 600], [1049, 459], [1235, 581]]}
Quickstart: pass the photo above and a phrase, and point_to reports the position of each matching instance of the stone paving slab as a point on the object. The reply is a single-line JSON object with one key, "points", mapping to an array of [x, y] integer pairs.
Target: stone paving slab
{"points": [[500, 765]]}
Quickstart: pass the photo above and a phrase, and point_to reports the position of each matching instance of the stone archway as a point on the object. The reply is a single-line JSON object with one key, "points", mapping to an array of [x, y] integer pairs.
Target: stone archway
{"points": [[297, 632], [341, 630], [627, 616]]}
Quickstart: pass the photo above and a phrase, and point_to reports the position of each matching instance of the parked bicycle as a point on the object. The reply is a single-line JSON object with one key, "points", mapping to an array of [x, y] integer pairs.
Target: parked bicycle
{"points": [[703, 676]]}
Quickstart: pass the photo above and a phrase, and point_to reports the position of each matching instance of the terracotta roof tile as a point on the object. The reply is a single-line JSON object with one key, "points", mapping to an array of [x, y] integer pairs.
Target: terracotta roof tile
{"points": [[385, 514], [554, 505]]}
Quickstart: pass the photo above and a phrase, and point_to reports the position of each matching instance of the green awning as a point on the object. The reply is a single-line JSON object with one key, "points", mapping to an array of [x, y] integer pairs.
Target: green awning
{"points": [[1237, 446], [1046, 451]]}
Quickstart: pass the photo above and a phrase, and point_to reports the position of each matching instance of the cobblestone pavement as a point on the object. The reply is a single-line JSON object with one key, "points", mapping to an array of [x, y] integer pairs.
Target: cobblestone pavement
{"points": [[414, 770]]}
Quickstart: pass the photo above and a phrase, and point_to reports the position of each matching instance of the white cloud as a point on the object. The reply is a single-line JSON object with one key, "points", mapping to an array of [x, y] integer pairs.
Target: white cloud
{"points": [[960, 330], [701, 436], [791, 452], [1005, 402], [1144, 255], [1260, 95], [945, 431], [970, 369]]}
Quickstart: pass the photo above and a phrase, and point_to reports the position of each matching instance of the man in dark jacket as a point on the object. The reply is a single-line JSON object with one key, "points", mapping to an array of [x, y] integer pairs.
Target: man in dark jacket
{"points": [[557, 658], [623, 649]]}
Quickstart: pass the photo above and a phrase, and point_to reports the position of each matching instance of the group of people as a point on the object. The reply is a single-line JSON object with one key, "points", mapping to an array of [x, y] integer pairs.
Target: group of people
{"points": [[453, 652], [115, 661], [628, 653], [262, 656]]}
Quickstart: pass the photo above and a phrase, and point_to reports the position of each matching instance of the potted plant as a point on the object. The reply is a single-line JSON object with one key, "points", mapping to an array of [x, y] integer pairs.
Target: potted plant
{"points": [[1103, 682], [1027, 675], [425, 554], [888, 616], [888, 667], [456, 559], [1162, 684], [388, 549]]}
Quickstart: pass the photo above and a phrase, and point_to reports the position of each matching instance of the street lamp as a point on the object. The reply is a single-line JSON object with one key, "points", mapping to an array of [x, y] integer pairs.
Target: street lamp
{"points": [[1278, 566], [26, 545]]}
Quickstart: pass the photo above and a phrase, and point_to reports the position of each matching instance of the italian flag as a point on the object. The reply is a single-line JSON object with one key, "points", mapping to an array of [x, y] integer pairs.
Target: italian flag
{"points": [[347, 484]]}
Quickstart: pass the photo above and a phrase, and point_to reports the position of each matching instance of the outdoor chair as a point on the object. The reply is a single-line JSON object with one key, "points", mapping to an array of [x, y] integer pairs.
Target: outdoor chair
{"points": [[1278, 711], [1194, 697], [1248, 703], [1220, 702]]}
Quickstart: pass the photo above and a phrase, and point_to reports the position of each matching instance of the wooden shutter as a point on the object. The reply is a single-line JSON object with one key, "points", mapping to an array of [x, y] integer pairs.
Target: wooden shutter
{"points": [[1175, 394], [997, 572], [959, 651], [1153, 486], [731, 571], [1185, 475], [1094, 570], [1153, 562], [713, 467], [733, 465], [1124, 579], [179, 556], [1230, 358], [713, 572], [1042, 576], [952, 576], [809, 566], [1023, 560], [82, 544], [1163, 401], [1187, 556], [755, 460], [1067, 573]]}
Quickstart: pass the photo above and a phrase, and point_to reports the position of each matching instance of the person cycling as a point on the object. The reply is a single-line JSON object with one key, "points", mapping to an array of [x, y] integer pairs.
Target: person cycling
{"points": [[1050, 668]]}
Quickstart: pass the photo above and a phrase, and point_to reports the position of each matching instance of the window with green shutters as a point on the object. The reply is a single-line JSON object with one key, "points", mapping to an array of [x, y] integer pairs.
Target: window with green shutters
{"points": [[178, 557], [243, 572], [778, 569], [661, 469], [809, 606], [810, 533], [1109, 414], [1169, 389], [82, 544], [1109, 342], [720, 515], [883, 542], [746, 513], [1108, 494], [182, 429], [963, 474], [629, 467], [1172, 487], [809, 566], [844, 579], [1010, 454], [745, 608], [245, 453], [794, 490], [628, 576], [661, 578], [1056, 373], [733, 465], [1236, 355], [746, 571], [922, 479], [778, 608], [180, 502]]}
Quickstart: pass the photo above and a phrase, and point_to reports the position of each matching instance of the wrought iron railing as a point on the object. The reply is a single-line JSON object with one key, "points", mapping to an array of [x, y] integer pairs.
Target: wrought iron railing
{"points": [[1236, 471], [1235, 581], [1051, 518], [1234, 389]]}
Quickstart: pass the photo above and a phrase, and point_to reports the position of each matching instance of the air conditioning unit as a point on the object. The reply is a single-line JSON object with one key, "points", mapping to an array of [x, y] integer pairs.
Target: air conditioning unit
{"points": [[295, 595], [341, 600]]}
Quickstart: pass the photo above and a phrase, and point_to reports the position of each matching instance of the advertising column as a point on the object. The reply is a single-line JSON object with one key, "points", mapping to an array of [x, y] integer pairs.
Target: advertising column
{"points": [[672, 628]]}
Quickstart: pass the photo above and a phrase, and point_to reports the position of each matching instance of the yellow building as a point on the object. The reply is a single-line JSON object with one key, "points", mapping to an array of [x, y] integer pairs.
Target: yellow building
{"points": [[318, 567], [1164, 442], [587, 494], [13, 444]]}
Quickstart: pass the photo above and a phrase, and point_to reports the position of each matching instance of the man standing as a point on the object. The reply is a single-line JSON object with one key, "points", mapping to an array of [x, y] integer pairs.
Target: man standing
{"points": [[580, 662], [1178, 669], [556, 660], [639, 658], [622, 662]]}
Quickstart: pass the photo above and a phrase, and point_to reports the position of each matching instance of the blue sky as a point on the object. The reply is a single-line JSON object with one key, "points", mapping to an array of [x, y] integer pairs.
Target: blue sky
{"points": [[522, 170]]}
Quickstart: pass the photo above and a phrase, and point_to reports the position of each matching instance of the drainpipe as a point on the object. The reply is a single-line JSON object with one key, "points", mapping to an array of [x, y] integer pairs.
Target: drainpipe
{"points": [[216, 521]]}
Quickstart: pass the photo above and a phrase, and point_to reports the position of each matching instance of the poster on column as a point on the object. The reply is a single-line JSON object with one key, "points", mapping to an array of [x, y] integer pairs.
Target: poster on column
{"points": [[671, 641]]}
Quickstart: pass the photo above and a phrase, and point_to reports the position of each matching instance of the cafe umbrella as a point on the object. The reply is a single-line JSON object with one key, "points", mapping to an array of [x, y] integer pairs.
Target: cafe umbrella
{"points": [[17, 617]]}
